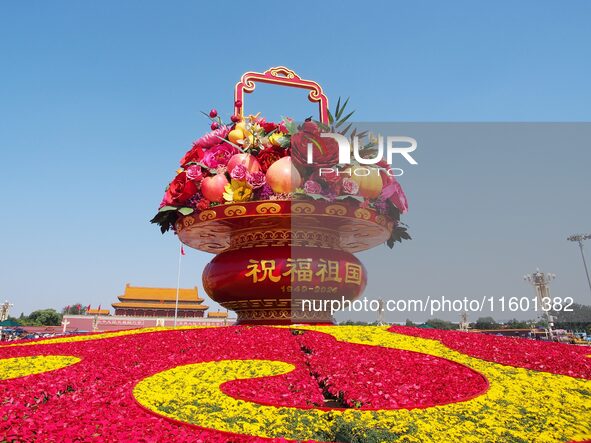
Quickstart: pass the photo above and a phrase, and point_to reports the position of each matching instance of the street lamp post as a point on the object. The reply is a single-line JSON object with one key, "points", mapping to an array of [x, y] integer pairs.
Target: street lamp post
{"points": [[540, 281], [579, 238]]}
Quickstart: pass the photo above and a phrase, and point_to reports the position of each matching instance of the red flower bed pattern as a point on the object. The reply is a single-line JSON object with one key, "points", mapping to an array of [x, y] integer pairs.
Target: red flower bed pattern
{"points": [[383, 378], [557, 358], [92, 400]]}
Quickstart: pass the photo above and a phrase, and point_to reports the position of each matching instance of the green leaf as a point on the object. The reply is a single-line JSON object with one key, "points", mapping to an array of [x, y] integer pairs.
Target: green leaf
{"points": [[342, 109], [165, 220], [353, 197], [399, 233], [167, 208], [157, 218], [344, 131], [291, 126], [330, 118], [322, 126], [317, 196], [284, 141], [317, 143], [344, 119], [186, 211]]}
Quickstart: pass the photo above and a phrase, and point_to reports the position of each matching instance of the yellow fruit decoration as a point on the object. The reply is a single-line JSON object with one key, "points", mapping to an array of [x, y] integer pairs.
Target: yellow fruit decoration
{"points": [[370, 185], [235, 135]]}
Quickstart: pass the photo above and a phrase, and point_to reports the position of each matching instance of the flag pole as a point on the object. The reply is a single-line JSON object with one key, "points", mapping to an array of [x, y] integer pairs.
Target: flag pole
{"points": [[178, 285]]}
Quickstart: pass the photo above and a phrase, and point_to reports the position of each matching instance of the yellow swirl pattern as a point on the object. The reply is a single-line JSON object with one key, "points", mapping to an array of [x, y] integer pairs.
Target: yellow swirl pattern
{"points": [[234, 210], [37, 364]]}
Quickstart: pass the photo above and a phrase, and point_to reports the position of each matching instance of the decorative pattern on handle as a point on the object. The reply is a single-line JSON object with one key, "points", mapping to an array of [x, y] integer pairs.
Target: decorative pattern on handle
{"points": [[283, 76]]}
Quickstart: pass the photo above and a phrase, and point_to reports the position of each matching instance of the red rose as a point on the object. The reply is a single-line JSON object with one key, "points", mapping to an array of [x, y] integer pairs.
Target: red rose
{"points": [[325, 150], [311, 128], [267, 126], [194, 155], [203, 204], [180, 190], [270, 155]]}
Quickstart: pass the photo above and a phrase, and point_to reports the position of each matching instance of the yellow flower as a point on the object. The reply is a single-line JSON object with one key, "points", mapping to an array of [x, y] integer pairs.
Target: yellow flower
{"points": [[274, 138], [253, 117], [37, 364], [237, 191]]}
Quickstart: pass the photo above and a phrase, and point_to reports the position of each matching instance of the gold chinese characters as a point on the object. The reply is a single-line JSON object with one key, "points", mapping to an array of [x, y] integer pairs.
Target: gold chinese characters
{"points": [[304, 270]]}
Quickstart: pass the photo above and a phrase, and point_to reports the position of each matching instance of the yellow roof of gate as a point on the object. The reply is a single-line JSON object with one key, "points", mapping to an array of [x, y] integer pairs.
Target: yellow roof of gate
{"points": [[93, 311], [168, 306], [217, 314], [140, 293]]}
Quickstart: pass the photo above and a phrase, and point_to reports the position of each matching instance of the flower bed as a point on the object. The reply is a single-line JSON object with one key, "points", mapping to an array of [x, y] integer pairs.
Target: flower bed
{"points": [[251, 384], [557, 358]]}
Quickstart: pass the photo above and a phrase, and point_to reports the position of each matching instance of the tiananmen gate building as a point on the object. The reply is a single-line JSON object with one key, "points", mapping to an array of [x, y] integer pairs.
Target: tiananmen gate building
{"points": [[159, 302], [145, 307]]}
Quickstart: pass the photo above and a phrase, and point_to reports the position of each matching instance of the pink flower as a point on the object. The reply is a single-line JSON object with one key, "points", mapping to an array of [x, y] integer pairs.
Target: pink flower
{"points": [[194, 173], [210, 139], [239, 172], [312, 187], [256, 179], [394, 192], [350, 186], [219, 155]]}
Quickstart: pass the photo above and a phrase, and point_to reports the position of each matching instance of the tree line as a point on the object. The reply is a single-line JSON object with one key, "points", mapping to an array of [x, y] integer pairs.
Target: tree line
{"points": [[49, 316]]}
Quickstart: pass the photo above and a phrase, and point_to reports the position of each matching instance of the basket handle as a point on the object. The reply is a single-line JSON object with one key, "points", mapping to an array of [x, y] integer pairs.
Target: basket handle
{"points": [[283, 76]]}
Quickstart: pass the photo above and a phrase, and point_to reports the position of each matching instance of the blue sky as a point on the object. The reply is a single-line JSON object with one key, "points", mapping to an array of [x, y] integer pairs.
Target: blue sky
{"points": [[99, 100]]}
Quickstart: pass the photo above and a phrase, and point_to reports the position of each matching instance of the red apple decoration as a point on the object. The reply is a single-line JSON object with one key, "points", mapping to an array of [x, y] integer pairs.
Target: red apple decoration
{"points": [[212, 187], [282, 176], [249, 161]]}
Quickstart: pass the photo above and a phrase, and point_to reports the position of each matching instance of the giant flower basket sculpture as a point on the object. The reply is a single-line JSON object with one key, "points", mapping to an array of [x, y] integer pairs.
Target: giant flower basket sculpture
{"points": [[283, 229]]}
